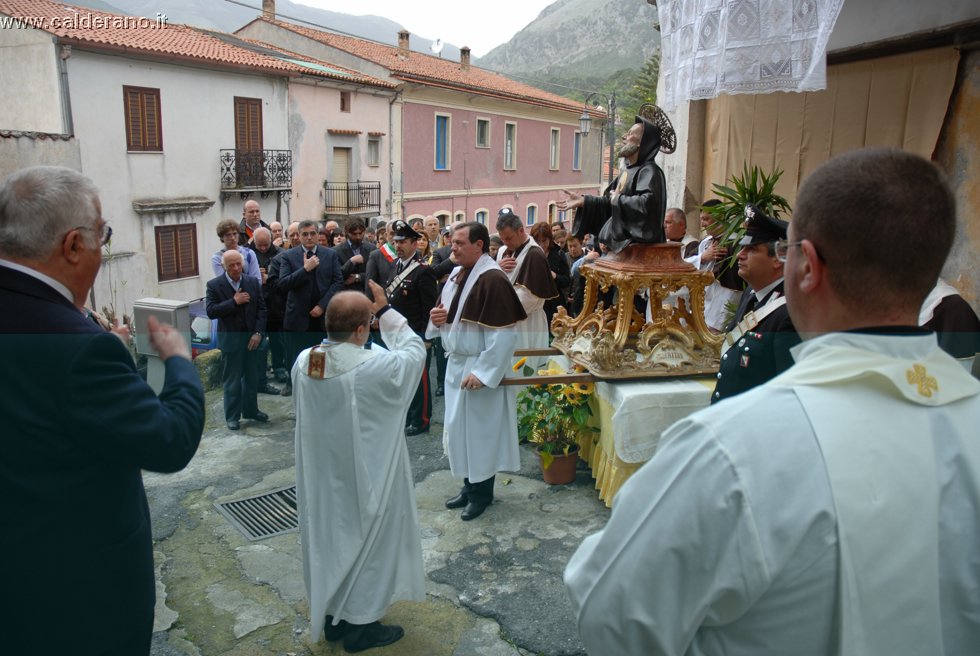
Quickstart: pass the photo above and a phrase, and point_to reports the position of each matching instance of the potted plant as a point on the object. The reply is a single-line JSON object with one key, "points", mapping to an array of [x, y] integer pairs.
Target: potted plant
{"points": [[553, 416]]}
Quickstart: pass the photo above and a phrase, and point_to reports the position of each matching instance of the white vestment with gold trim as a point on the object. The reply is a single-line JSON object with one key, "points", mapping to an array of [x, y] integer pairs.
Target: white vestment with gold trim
{"points": [[834, 510], [356, 496]]}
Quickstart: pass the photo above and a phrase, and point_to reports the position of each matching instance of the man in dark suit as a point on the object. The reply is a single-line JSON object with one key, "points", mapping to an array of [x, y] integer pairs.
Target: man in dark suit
{"points": [[353, 255], [310, 276], [78, 426], [266, 251], [236, 302], [442, 257], [412, 290], [760, 335], [379, 262], [379, 265]]}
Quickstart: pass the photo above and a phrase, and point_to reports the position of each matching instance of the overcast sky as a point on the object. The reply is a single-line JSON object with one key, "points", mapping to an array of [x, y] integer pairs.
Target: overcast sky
{"points": [[481, 26]]}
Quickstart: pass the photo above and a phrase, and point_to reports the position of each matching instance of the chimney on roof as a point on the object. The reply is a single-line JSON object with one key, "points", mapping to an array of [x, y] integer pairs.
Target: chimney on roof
{"points": [[269, 9], [464, 58], [403, 40]]}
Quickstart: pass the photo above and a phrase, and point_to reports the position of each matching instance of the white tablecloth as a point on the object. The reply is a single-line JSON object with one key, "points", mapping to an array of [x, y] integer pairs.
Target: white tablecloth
{"points": [[641, 411]]}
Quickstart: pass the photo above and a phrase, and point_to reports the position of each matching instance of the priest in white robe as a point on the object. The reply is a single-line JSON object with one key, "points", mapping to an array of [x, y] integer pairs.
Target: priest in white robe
{"points": [[476, 318], [836, 509], [526, 266], [356, 498]]}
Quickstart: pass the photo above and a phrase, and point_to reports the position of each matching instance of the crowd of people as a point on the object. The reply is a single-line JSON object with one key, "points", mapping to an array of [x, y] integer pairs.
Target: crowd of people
{"points": [[827, 502], [298, 271]]}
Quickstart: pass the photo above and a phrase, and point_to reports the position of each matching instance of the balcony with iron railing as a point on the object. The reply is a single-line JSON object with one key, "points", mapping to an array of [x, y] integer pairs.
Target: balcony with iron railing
{"points": [[248, 171], [351, 198]]}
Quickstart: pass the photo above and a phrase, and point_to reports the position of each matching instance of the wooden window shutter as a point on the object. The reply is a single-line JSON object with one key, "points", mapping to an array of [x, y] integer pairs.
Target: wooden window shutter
{"points": [[144, 131], [248, 124], [151, 114], [241, 125], [187, 250], [176, 252], [166, 254], [134, 120]]}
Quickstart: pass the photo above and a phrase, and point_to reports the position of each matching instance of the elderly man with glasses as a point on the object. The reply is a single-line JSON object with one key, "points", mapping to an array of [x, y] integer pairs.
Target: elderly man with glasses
{"points": [[758, 338], [79, 426]]}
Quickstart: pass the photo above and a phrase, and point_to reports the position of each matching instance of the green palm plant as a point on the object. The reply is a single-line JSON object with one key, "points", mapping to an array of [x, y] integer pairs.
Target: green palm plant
{"points": [[753, 186]]}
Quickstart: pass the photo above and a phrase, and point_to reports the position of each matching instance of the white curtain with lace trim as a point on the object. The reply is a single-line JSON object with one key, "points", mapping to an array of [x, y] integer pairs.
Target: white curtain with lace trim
{"points": [[711, 47]]}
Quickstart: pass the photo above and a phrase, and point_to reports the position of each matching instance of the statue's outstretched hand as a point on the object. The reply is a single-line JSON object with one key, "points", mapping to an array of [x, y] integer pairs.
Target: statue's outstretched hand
{"points": [[570, 200]]}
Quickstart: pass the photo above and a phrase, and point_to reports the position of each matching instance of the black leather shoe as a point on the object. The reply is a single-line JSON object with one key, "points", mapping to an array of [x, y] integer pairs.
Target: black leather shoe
{"points": [[457, 501], [281, 376], [287, 391], [472, 511], [234, 425], [440, 391], [411, 431], [258, 416], [333, 632], [369, 636], [269, 389]]}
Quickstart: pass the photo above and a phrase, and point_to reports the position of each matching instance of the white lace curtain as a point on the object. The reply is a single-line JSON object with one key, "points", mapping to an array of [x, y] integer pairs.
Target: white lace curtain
{"points": [[743, 46]]}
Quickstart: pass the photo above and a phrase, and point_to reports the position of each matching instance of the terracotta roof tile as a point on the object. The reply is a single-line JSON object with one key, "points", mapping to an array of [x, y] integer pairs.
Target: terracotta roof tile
{"points": [[103, 30], [434, 71]]}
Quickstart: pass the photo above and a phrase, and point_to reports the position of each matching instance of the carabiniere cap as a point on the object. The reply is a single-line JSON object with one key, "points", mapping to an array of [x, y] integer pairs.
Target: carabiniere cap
{"points": [[401, 230], [761, 228]]}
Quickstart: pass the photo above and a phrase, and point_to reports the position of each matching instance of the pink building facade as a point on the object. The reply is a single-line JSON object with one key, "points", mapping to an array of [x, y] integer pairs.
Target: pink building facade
{"points": [[468, 163]]}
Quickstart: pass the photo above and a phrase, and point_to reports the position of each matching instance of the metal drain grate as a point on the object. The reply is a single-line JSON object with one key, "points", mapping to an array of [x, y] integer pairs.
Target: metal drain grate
{"points": [[263, 516]]}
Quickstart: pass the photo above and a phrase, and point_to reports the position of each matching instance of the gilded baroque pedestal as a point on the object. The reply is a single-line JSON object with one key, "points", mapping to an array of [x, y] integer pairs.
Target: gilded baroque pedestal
{"points": [[616, 342]]}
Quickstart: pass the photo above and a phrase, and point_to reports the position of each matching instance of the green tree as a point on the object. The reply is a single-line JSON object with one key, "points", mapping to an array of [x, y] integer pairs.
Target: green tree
{"points": [[643, 88]]}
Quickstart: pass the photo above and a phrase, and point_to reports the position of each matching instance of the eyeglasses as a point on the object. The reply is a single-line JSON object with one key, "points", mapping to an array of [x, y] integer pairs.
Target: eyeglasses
{"points": [[105, 232], [782, 249], [307, 234]]}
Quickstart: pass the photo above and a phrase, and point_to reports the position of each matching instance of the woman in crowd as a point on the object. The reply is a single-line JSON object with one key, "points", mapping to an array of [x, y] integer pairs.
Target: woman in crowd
{"points": [[557, 262], [424, 248]]}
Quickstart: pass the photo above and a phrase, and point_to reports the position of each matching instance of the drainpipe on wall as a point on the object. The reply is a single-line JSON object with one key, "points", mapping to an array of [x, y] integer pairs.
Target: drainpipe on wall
{"points": [[67, 123], [391, 156]]}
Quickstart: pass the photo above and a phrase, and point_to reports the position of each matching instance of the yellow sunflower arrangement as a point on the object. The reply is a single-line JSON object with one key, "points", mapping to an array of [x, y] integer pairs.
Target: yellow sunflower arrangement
{"points": [[553, 416]]}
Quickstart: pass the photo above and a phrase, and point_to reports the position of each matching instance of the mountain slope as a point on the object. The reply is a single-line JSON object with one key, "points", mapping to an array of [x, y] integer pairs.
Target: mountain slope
{"points": [[575, 39]]}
